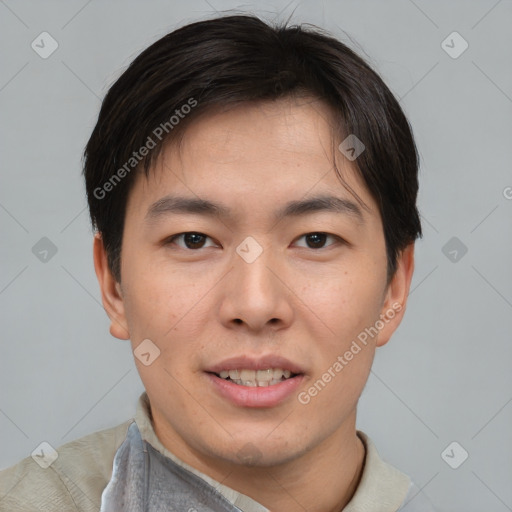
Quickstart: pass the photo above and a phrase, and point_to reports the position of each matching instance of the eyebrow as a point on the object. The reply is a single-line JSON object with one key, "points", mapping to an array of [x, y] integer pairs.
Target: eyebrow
{"points": [[169, 205]]}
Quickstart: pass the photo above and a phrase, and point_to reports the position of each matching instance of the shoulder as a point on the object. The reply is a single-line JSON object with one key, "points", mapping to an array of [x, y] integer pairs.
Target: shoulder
{"points": [[74, 481], [385, 487]]}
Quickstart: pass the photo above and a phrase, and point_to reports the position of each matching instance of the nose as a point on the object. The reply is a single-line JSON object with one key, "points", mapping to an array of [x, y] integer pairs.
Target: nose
{"points": [[256, 295]]}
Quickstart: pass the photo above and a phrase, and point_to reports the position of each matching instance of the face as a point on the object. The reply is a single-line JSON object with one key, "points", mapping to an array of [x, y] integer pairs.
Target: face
{"points": [[245, 257]]}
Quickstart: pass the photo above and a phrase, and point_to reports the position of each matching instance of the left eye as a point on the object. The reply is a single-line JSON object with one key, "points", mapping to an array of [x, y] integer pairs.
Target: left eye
{"points": [[317, 240]]}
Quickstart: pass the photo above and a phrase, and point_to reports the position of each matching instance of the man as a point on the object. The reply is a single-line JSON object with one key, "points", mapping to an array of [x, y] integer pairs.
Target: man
{"points": [[253, 189]]}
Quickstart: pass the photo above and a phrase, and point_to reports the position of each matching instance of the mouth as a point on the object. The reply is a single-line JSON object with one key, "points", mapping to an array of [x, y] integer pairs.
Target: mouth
{"points": [[256, 382], [257, 378]]}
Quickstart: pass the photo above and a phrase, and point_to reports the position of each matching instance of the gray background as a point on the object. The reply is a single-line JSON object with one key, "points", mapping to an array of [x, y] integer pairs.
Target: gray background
{"points": [[444, 377]]}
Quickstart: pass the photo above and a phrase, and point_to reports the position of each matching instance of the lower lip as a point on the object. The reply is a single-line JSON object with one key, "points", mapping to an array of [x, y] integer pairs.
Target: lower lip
{"points": [[245, 396]]}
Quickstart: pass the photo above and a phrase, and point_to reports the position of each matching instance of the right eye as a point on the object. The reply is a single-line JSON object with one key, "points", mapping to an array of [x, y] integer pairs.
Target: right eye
{"points": [[192, 240]]}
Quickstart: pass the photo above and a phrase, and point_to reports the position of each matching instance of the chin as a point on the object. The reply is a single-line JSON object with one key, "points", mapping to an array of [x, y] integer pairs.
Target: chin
{"points": [[259, 451]]}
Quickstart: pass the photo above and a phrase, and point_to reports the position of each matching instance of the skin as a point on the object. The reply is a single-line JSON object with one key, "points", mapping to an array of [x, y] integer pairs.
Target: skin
{"points": [[203, 305]]}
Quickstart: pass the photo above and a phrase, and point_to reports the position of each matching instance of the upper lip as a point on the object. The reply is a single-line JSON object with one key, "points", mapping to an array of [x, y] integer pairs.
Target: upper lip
{"points": [[246, 362]]}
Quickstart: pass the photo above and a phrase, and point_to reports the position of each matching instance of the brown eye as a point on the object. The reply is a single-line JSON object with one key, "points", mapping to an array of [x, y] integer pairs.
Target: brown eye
{"points": [[191, 240], [317, 240]]}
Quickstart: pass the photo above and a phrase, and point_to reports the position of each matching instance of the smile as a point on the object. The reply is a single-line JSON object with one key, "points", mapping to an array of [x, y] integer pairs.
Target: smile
{"points": [[256, 378]]}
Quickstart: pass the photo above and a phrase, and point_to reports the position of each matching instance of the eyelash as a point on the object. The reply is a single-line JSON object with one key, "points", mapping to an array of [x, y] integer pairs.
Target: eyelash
{"points": [[337, 239]]}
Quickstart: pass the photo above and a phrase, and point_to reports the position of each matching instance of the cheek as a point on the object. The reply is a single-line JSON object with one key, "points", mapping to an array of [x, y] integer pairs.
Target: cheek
{"points": [[157, 296], [345, 302], [169, 307]]}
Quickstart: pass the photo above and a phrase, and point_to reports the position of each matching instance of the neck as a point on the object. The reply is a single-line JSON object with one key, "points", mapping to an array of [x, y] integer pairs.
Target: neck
{"points": [[323, 479]]}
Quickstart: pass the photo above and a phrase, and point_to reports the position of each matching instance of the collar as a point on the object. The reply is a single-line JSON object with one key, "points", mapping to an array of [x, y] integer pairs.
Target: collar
{"points": [[382, 487], [143, 420]]}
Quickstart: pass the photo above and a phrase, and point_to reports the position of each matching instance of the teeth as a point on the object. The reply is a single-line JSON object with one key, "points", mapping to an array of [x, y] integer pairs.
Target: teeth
{"points": [[256, 378], [247, 374], [264, 375]]}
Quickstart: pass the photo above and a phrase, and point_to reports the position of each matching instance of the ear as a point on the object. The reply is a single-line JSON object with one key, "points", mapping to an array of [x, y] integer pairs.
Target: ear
{"points": [[395, 298], [111, 294]]}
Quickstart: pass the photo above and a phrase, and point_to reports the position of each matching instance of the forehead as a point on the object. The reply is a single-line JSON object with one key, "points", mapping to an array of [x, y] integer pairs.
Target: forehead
{"points": [[255, 155]]}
